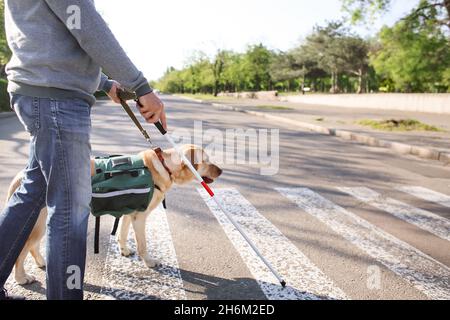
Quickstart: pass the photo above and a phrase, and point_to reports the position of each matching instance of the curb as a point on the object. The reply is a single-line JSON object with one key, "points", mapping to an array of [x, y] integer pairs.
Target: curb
{"points": [[4, 115], [396, 147], [190, 99]]}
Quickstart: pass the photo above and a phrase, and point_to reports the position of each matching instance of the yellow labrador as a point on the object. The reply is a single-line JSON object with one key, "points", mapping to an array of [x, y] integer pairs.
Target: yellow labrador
{"points": [[166, 168]]}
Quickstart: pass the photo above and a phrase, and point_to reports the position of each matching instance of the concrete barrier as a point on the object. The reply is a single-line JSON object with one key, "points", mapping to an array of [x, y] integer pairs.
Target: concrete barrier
{"points": [[432, 103], [263, 95]]}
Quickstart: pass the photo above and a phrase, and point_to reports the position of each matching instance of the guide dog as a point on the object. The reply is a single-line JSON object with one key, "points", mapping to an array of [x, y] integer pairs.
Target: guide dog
{"points": [[166, 168]]}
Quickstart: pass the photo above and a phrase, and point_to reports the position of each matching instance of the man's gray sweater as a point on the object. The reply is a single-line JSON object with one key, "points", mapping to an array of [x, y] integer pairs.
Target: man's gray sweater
{"points": [[60, 48]]}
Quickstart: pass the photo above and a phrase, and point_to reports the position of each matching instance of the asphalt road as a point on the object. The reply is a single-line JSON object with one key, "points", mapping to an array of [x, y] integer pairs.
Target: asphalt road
{"points": [[338, 221]]}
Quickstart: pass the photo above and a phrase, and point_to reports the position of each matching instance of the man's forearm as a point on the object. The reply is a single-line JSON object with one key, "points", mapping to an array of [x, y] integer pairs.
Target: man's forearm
{"points": [[97, 40]]}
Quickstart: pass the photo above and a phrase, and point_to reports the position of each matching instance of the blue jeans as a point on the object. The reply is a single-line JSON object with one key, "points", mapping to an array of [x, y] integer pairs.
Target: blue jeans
{"points": [[58, 176]]}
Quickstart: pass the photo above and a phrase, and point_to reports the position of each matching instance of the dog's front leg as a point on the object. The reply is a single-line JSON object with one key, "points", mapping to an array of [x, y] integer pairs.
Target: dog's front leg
{"points": [[38, 258], [141, 242], [122, 238], [20, 275]]}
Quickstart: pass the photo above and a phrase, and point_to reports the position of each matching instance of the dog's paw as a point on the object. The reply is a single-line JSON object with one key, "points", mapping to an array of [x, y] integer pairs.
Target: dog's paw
{"points": [[25, 279], [151, 263], [126, 252]]}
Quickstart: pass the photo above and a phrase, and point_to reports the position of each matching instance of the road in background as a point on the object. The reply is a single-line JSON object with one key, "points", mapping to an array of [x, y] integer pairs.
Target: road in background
{"points": [[347, 119]]}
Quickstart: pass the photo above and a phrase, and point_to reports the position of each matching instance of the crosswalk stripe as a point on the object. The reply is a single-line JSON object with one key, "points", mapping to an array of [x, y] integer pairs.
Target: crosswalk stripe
{"points": [[423, 219], [427, 195], [304, 279], [425, 273], [128, 278]]}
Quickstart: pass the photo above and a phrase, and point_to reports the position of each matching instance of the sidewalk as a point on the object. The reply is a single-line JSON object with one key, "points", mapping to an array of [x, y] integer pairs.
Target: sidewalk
{"points": [[341, 122]]}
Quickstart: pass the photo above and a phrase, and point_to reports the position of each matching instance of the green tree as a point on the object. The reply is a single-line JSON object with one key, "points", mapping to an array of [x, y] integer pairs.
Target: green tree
{"points": [[218, 68], [285, 68], [221, 64], [171, 81], [256, 66], [198, 74], [233, 75], [323, 46], [331, 50], [363, 9], [414, 54], [296, 67], [354, 58]]}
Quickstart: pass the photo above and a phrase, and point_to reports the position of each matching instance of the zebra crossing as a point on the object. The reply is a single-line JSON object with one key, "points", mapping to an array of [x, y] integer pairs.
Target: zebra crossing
{"points": [[128, 278], [423, 219], [427, 195], [426, 274]]}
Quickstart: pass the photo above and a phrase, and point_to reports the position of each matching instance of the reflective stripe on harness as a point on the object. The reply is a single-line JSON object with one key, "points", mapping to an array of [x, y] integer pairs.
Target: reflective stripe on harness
{"points": [[120, 192]]}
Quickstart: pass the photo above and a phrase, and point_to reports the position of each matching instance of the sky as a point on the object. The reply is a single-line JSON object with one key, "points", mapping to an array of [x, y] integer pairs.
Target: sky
{"points": [[157, 34]]}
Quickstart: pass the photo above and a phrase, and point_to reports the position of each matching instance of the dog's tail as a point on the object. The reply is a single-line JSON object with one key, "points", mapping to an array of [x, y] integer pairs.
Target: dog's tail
{"points": [[15, 184]]}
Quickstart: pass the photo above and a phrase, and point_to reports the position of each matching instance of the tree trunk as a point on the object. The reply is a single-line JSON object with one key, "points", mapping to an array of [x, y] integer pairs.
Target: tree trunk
{"points": [[2, 71], [334, 82], [361, 82], [216, 88], [303, 84]]}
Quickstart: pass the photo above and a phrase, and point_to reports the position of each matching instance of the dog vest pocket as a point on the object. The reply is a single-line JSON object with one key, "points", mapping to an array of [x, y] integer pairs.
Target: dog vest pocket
{"points": [[121, 185]]}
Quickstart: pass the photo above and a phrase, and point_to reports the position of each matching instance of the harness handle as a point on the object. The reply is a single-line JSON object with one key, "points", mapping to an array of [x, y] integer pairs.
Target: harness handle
{"points": [[112, 174], [160, 127]]}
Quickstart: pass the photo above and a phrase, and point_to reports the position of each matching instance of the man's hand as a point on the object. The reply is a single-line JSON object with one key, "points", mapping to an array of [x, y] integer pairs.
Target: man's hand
{"points": [[112, 94], [152, 109]]}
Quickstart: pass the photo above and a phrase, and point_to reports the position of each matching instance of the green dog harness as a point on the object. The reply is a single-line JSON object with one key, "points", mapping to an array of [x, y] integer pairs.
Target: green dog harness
{"points": [[121, 185]]}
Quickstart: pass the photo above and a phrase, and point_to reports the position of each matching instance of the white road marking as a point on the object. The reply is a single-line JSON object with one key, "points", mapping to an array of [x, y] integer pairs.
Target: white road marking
{"points": [[304, 279], [427, 195], [423, 219], [425, 273], [130, 279]]}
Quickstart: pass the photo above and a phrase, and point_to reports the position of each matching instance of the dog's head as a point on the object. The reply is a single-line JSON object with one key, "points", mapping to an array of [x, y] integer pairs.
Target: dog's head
{"points": [[201, 162], [180, 173]]}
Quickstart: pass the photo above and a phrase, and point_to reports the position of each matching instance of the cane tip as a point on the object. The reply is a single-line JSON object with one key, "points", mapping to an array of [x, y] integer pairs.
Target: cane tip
{"points": [[283, 284]]}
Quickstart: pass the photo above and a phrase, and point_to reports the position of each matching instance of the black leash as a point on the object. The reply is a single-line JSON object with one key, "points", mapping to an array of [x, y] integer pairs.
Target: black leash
{"points": [[124, 96]]}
